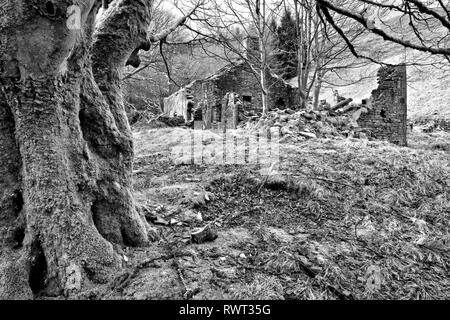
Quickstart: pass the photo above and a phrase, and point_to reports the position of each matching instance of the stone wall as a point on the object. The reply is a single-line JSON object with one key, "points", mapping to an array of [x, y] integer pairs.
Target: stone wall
{"points": [[176, 104], [209, 93], [282, 95], [244, 82], [386, 118]]}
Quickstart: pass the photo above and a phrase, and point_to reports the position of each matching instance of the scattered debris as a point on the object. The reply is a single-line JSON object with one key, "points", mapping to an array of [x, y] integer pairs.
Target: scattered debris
{"points": [[206, 234]]}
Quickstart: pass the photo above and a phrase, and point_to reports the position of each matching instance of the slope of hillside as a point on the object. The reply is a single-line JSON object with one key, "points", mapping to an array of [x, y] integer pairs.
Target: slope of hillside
{"points": [[346, 219], [429, 93]]}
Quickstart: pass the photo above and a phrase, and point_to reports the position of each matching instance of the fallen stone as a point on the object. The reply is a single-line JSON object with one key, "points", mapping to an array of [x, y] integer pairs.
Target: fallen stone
{"points": [[284, 118], [270, 123], [151, 217], [363, 136], [289, 111], [308, 135], [285, 131], [206, 234], [160, 222], [191, 216], [293, 123], [309, 116], [209, 196], [198, 200], [175, 222]]}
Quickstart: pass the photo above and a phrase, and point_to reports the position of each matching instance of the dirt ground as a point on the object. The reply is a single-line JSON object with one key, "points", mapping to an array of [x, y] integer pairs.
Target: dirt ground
{"points": [[343, 219]]}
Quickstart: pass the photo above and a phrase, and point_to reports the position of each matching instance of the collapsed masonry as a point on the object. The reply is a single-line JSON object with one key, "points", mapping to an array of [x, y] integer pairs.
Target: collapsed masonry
{"points": [[234, 94], [382, 117]]}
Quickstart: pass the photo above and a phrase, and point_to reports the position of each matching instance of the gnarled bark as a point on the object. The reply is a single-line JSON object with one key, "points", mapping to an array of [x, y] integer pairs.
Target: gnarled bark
{"points": [[66, 149]]}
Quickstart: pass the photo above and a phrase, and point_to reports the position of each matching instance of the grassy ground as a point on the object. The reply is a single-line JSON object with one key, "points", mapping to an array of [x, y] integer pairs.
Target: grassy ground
{"points": [[342, 219]]}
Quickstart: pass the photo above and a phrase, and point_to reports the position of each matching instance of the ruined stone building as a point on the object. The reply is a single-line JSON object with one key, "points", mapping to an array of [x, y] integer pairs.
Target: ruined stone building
{"points": [[383, 116], [237, 78], [386, 116]]}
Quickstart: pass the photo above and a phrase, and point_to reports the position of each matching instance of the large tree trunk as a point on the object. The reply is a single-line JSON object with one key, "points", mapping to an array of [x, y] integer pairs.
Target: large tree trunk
{"points": [[66, 150]]}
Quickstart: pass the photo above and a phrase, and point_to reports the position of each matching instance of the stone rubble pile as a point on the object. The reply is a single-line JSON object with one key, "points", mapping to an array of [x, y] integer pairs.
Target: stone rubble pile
{"points": [[310, 124]]}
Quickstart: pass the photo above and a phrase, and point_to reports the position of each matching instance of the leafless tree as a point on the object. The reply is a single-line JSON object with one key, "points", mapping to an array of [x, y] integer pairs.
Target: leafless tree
{"points": [[413, 24], [320, 51], [228, 24]]}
